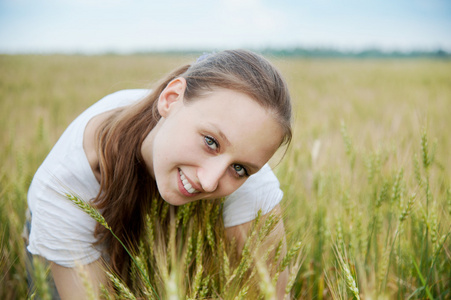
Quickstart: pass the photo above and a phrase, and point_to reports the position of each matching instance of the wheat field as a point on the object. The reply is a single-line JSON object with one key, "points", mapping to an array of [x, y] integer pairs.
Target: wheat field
{"points": [[366, 181]]}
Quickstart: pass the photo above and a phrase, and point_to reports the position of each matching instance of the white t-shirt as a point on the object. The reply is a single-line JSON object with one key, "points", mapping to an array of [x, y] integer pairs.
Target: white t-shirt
{"points": [[64, 234]]}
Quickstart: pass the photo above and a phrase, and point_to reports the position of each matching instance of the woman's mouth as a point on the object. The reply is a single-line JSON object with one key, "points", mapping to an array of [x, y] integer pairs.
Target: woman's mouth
{"points": [[187, 189]]}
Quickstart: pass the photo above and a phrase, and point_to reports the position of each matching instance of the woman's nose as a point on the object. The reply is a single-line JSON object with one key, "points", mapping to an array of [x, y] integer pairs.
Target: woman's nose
{"points": [[210, 174]]}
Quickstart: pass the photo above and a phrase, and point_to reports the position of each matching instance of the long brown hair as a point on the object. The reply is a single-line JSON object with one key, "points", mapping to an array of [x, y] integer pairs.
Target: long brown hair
{"points": [[126, 187]]}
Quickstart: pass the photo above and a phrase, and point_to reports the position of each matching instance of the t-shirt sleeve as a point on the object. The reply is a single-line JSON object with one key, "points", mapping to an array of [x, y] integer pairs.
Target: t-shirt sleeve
{"points": [[60, 231], [260, 191]]}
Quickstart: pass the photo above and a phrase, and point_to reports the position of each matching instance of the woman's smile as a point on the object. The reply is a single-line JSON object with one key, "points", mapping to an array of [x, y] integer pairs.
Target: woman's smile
{"points": [[186, 186]]}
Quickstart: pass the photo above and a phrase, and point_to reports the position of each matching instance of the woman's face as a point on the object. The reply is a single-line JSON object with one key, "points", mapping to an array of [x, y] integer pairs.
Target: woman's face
{"points": [[207, 148]]}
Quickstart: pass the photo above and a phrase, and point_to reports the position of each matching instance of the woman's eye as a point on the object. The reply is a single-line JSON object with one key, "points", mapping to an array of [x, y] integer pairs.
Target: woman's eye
{"points": [[240, 170], [211, 143]]}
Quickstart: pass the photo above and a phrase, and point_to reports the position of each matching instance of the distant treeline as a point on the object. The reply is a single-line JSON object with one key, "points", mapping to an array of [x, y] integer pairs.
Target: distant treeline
{"points": [[367, 53], [326, 53]]}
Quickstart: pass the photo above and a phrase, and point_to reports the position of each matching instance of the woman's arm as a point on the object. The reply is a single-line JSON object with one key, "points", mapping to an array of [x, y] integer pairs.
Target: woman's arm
{"points": [[240, 233], [71, 283]]}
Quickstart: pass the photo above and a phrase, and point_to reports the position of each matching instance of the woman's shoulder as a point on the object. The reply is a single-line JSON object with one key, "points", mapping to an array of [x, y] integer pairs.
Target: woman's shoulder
{"points": [[67, 158], [128, 93], [260, 192], [264, 179], [119, 98], [109, 102]]}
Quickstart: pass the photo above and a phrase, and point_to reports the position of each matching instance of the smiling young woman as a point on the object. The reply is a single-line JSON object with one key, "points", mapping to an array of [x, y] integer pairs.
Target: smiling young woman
{"points": [[203, 142], [206, 132]]}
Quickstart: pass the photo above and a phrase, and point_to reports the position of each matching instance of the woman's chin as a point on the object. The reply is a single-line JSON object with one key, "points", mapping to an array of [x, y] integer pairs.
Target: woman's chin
{"points": [[177, 201]]}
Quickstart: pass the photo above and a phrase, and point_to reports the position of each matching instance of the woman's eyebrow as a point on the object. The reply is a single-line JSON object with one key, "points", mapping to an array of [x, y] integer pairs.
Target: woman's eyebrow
{"points": [[220, 133]]}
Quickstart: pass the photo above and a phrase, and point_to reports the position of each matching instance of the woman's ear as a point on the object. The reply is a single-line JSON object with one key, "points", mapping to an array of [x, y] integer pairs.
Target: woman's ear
{"points": [[172, 94]]}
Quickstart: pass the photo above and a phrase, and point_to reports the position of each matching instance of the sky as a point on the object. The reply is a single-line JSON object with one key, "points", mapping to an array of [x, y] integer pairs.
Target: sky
{"points": [[127, 26]]}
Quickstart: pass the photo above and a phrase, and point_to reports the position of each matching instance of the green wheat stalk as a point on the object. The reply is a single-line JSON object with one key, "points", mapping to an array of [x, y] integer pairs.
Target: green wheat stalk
{"points": [[94, 213], [125, 293]]}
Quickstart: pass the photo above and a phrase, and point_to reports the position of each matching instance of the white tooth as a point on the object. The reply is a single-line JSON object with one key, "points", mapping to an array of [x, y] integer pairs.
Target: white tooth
{"points": [[186, 184]]}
